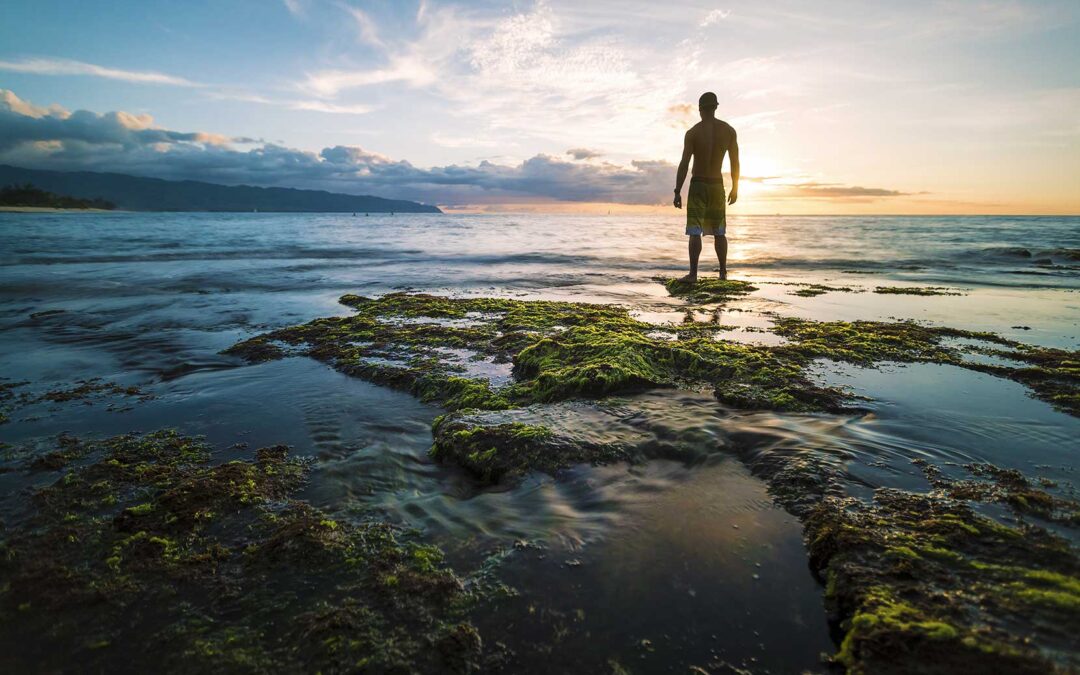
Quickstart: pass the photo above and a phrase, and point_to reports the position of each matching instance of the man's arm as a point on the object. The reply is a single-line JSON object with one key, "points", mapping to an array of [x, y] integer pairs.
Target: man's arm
{"points": [[733, 152], [684, 166]]}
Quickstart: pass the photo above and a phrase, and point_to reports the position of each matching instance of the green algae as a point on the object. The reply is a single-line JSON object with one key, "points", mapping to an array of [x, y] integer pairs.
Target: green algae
{"points": [[149, 554], [1052, 375], [1005, 486], [84, 391], [921, 583], [915, 583], [915, 290], [707, 290], [507, 451], [558, 350], [814, 290]]}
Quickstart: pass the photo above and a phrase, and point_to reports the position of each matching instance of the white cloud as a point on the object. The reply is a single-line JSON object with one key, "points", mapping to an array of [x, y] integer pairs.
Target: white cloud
{"points": [[366, 28], [325, 107], [715, 16], [27, 109], [295, 7], [329, 83], [449, 141], [53, 138], [67, 67]]}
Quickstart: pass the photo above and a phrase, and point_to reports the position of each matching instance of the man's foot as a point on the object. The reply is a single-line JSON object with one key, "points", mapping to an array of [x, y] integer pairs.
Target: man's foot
{"points": [[689, 279], [723, 275]]}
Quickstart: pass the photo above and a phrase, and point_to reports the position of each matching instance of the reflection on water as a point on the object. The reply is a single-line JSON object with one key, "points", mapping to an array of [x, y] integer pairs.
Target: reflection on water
{"points": [[701, 570], [659, 565]]}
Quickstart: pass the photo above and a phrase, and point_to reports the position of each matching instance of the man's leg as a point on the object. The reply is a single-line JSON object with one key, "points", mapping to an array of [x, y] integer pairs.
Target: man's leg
{"points": [[720, 244], [695, 253]]}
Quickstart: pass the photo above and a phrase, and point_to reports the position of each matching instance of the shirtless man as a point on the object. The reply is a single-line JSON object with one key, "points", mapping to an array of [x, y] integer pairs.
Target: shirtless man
{"points": [[706, 142]]}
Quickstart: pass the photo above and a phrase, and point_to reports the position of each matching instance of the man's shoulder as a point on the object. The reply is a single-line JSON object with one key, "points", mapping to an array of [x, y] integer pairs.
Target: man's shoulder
{"points": [[726, 127]]}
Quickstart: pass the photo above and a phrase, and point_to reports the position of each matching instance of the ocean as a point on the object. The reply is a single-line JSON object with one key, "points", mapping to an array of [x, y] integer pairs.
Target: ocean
{"points": [[667, 564]]}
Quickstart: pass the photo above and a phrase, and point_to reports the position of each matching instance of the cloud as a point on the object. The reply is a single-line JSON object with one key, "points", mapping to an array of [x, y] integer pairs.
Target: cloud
{"points": [[295, 7], [583, 153], [323, 106], [53, 138], [715, 16], [833, 191], [368, 31], [329, 83], [23, 122], [448, 141], [314, 105], [499, 69], [66, 67]]}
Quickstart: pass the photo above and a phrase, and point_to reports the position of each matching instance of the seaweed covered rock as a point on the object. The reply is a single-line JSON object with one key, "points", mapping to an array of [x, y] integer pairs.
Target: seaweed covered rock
{"points": [[504, 445], [145, 553], [497, 354], [707, 290], [1052, 375], [921, 583], [814, 290], [497, 451], [455, 350], [990, 483], [915, 290]]}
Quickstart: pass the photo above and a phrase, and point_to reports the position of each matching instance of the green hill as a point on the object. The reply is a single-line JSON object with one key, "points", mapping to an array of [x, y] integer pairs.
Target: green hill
{"points": [[135, 193]]}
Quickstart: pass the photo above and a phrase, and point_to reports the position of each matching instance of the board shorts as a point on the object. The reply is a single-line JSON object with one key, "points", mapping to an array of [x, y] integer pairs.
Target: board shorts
{"points": [[706, 207]]}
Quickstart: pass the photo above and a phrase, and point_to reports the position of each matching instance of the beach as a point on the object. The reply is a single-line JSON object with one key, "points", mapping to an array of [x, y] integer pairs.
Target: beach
{"points": [[570, 461]]}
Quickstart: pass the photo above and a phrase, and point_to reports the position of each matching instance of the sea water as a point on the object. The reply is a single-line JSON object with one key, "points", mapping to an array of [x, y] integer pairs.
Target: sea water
{"points": [[656, 566]]}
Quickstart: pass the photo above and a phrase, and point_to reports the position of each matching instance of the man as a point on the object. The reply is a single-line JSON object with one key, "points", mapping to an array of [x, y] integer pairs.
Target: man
{"points": [[707, 142]]}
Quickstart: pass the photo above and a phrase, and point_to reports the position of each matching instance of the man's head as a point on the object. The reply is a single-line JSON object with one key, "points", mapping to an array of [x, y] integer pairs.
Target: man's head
{"points": [[707, 105]]}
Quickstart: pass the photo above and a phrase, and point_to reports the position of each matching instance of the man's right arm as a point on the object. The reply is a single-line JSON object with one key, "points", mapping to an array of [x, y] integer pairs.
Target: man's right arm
{"points": [[684, 166]]}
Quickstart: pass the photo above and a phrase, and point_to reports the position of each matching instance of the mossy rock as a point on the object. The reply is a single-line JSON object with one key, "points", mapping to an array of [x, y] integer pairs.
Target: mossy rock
{"points": [[506, 451], [921, 583], [150, 556], [915, 290], [426, 344], [558, 351], [814, 290], [1052, 375], [707, 290]]}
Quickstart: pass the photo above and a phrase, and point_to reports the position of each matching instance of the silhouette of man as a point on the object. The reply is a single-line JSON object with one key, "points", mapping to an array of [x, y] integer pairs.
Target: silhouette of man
{"points": [[707, 142]]}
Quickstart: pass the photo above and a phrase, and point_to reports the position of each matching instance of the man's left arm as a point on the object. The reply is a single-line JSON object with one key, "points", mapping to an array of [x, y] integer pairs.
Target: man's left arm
{"points": [[733, 153]]}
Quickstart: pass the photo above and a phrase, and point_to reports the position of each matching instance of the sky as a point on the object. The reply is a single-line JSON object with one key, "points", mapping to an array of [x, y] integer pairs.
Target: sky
{"points": [[550, 105]]}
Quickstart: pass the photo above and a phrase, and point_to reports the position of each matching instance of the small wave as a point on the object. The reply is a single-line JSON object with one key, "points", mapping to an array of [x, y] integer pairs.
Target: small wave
{"points": [[1035, 255]]}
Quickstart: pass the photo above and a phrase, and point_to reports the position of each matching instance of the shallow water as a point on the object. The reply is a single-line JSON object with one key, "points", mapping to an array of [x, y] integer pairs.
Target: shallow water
{"points": [[615, 555]]}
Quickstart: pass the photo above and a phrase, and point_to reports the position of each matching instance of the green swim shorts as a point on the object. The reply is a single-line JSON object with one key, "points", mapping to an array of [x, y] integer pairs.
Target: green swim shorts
{"points": [[706, 207]]}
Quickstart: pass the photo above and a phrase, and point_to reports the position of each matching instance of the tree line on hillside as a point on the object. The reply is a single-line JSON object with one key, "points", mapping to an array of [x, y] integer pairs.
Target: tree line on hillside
{"points": [[29, 195]]}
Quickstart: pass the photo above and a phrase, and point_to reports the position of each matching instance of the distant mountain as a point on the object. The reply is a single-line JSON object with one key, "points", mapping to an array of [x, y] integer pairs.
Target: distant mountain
{"points": [[135, 193]]}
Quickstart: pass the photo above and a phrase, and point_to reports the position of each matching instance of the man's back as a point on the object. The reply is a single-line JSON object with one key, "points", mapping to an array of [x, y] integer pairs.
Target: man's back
{"points": [[709, 140]]}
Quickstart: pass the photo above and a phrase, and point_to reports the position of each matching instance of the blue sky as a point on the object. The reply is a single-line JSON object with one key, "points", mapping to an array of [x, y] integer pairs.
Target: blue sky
{"points": [[840, 106]]}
